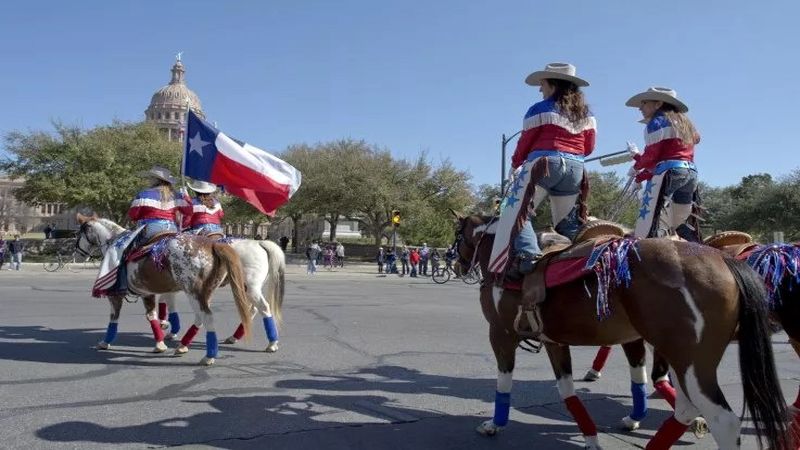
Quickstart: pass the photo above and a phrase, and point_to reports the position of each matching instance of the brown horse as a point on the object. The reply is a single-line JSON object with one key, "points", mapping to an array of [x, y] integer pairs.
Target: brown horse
{"points": [[778, 265], [195, 265], [684, 299]]}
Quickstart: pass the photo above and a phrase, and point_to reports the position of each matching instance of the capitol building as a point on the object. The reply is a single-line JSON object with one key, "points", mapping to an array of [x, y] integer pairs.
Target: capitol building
{"points": [[169, 104]]}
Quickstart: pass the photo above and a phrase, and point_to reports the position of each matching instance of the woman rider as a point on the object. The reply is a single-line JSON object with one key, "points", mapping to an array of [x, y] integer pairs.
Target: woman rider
{"points": [[207, 213], [667, 163], [558, 132]]}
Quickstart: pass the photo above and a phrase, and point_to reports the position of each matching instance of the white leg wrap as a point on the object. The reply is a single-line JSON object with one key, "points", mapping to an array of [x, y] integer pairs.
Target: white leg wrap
{"points": [[566, 388], [504, 380], [639, 374]]}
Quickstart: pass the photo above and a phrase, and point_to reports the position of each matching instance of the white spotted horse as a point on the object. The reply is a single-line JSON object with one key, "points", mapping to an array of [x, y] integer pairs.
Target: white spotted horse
{"points": [[684, 299], [193, 264]]}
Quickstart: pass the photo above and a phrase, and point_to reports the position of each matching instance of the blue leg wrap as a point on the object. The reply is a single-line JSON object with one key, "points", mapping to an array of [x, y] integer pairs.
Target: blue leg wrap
{"points": [[272, 330], [639, 394], [502, 405], [212, 346], [111, 333], [174, 322]]}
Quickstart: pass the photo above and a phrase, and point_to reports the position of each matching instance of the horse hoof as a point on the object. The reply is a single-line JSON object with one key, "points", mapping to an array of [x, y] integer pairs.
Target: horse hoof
{"points": [[699, 427], [181, 350], [230, 341], [488, 428], [272, 347], [164, 325], [630, 424], [206, 361], [161, 347], [102, 345], [592, 375]]}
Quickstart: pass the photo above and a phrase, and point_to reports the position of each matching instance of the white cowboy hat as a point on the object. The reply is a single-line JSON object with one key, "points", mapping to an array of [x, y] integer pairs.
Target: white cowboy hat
{"points": [[558, 71], [202, 187], [660, 94], [159, 173]]}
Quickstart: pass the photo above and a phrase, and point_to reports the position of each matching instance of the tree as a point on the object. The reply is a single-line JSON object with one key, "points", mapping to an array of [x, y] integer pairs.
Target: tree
{"points": [[97, 168]]}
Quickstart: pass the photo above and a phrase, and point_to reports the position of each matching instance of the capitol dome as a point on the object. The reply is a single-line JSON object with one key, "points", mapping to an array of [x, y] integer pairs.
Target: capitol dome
{"points": [[169, 104]]}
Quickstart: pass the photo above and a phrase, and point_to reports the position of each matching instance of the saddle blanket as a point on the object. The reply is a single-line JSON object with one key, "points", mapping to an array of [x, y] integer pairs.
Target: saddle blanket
{"points": [[558, 273], [107, 276]]}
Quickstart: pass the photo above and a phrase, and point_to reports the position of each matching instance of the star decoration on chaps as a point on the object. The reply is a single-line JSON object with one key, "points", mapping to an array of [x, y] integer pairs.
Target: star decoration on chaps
{"points": [[196, 144], [511, 201]]}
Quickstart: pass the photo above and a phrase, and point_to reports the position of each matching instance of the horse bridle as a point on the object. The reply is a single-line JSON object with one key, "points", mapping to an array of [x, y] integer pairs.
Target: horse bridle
{"points": [[460, 239], [83, 234]]}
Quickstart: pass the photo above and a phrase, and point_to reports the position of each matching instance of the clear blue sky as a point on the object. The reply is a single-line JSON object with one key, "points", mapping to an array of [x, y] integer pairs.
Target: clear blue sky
{"points": [[441, 76]]}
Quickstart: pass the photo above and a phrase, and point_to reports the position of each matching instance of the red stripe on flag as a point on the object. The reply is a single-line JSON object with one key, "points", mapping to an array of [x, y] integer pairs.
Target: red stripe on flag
{"points": [[264, 193]]}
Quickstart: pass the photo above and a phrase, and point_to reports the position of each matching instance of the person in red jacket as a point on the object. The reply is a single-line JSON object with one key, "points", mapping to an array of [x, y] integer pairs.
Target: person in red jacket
{"points": [[156, 208], [667, 163], [207, 213], [558, 132], [414, 258]]}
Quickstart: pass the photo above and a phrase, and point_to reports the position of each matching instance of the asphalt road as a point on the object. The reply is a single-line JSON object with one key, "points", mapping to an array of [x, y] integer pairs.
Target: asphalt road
{"points": [[366, 362]]}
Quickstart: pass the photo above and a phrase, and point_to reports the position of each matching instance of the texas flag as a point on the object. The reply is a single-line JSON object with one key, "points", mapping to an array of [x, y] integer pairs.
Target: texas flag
{"points": [[261, 179]]}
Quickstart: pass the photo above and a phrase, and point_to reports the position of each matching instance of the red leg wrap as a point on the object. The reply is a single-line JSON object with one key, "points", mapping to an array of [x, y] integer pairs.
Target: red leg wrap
{"points": [[162, 311], [601, 358], [187, 338], [239, 333], [158, 335], [667, 391], [581, 416], [671, 430]]}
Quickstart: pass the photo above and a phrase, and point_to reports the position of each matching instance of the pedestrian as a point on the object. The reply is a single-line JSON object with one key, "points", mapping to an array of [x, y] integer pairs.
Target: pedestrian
{"points": [[558, 133], [16, 247], [404, 260], [424, 254], [47, 231], [380, 258], [413, 257], [2, 251], [667, 163], [449, 257], [284, 242], [340, 254], [312, 253]]}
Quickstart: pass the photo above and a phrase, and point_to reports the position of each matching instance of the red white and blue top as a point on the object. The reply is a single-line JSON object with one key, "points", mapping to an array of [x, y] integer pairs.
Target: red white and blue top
{"points": [[661, 144], [545, 128], [148, 206], [202, 214]]}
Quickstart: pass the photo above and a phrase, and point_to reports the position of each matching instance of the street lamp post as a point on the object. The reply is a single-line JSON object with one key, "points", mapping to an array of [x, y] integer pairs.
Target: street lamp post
{"points": [[505, 140]]}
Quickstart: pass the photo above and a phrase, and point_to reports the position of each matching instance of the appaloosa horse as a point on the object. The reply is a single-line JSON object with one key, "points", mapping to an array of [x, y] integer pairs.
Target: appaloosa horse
{"points": [[684, 299], [192, 264]]}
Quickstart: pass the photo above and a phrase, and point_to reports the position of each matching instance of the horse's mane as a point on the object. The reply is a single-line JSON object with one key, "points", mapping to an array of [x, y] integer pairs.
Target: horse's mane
{"points": [[111, 225]]}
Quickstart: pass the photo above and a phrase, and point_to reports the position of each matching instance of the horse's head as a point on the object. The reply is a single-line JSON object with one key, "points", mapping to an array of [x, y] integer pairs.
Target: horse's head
{"points": [[94, 232], [472, 232]]}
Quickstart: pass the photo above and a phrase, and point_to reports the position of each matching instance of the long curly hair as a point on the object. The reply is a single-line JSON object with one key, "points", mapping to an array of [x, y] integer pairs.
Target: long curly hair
{"points": [[570, 101], [684, 127]]}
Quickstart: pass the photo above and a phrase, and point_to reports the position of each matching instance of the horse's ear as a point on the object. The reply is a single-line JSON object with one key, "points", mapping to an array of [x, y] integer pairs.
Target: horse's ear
{"points": [[80, 218], [94, 216], [458, 216]]}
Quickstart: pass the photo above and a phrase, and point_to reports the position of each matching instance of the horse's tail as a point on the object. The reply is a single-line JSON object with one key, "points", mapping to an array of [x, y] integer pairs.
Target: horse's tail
{"points": [[762, 390], [275, 277], [230, 261]]}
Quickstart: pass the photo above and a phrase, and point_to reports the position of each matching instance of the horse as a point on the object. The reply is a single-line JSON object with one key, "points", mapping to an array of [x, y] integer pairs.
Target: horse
{"points": [[684, 299], [778, 265], [266, 265]]}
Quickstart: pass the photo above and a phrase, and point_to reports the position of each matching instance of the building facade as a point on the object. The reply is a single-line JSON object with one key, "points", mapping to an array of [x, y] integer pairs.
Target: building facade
{"points": [[20, 218]]}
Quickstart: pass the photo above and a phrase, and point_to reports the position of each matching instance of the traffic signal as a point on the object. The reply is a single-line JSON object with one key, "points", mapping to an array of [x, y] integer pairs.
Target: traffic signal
{"points": [[395, 217]]}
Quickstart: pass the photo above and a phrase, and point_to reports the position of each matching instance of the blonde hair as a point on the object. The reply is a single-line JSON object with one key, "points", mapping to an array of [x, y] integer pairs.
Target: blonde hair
{"points": [[684, 128], [165, 189]]}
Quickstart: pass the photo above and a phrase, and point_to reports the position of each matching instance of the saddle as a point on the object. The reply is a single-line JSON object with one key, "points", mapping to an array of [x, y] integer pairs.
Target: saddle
{"points": [[534, 287], [733, 243], [135, 253]]}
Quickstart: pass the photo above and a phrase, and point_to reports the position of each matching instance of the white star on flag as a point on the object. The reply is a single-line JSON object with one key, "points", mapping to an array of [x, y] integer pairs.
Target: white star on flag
{"points": [[196, 144]]}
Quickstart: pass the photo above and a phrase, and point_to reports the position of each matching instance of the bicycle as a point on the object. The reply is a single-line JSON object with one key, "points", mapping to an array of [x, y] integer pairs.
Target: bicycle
{"points": [[71, 262], [441, 275], [473, 275]]}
